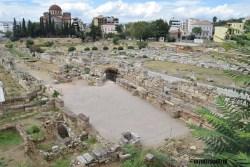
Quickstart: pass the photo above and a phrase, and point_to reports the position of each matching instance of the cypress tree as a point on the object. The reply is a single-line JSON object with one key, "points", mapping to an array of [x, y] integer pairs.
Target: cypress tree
{"points": [[15, 29], [24, 30], [29, 31], [42, 28]]}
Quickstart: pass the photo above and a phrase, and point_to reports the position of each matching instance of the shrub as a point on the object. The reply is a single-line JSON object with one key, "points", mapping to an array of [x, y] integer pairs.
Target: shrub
{"points": [[120, 48], [114, 48], [9, 45], [33, 129], [94, 48], [86, 70], [142, 44], [55, 94], [34, 48], [71, 49], [105, 48], [87, 49], [171, 39], [116, 40], [48, 44], [29, 43], [131, 47]]}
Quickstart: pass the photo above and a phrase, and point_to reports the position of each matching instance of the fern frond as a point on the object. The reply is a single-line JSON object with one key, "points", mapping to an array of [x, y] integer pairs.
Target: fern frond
{"points": [[238, 77], [219, 123], [215, 141]]}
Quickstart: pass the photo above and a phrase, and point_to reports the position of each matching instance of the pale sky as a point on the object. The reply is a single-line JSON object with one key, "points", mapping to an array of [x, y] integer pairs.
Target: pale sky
{"points": [[127, 10]]}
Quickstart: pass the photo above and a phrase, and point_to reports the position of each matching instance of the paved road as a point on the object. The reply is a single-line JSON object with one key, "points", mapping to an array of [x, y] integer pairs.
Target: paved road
{"points": [[113, 110]]}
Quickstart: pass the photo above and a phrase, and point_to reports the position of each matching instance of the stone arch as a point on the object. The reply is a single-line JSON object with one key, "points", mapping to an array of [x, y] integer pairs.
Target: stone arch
{"points": [[111, 74], [62, 131]]}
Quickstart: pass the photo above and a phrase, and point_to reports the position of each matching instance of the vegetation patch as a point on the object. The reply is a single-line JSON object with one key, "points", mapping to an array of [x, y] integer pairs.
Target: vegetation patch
{"points": [[105, 48], [71, 49], [63, 162], [94, 48], [138, 158], [87, 49], [186, 70], [35, 133], [9, 138], [142, 44]]}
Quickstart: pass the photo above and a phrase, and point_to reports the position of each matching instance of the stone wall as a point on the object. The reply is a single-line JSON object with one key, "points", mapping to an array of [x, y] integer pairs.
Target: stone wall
{"points": [[180, 98]]}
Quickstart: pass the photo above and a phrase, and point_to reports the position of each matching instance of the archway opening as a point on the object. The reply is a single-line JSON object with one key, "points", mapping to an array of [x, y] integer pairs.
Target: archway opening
{"points": [[62, 131], [111, 74]]}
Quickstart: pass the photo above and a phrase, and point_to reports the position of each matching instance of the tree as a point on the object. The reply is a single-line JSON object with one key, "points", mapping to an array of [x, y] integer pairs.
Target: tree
{"points": [[214, 22], [42, 27], [159, 28], [247, 26], [15, 27], [119, 28], [197, 30], [29, 28], [95, 32], [215, 19], [24, 30], [140, 30]]}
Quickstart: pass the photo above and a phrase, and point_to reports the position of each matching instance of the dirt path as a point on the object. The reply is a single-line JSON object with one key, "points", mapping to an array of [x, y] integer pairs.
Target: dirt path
{"points": [[113, 110]]}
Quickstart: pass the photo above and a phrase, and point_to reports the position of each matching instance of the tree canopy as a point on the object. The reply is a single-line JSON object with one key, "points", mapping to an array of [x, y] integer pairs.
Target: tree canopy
{"points": [[143, 30], [197, 30]]}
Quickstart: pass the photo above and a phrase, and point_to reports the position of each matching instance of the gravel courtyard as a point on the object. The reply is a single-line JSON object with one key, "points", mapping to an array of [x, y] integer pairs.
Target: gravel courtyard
{"points": [[113, 110]]}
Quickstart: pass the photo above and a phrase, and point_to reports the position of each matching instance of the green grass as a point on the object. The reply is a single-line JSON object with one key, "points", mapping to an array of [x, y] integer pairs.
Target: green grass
{"points": [[9, 138], [186, 70], [62, 162], [35, 133], [45, 146], [91, 140]]}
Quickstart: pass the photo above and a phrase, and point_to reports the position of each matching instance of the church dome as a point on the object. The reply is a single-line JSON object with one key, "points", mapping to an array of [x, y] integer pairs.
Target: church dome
{"points": [[55, 7]]}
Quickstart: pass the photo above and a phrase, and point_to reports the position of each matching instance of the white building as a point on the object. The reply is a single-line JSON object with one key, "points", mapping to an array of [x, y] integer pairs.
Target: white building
{"points": [[78, 24], [173, 22], [2, 98], [206, 27], [6, 26], [108, 29]]}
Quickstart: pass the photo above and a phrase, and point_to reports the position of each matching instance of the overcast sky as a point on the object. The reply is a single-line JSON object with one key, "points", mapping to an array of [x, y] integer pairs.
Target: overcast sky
{"points": [[127, 10]]}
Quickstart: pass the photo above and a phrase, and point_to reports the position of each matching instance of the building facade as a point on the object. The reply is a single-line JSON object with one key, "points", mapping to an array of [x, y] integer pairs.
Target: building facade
{"points": [[221, 33], [78, 24], [57, 16], [108, 24], [101, 20], [206, 28], [6, 26], [108, 29], [173, 22]]}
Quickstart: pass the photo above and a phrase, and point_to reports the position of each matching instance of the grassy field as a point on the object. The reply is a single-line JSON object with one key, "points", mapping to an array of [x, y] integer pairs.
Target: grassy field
{"points": [[9, 138], [186, 71]]}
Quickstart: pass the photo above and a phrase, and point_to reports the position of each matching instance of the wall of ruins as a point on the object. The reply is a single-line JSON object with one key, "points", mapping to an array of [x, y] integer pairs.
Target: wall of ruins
{"points": [[179, 98]]}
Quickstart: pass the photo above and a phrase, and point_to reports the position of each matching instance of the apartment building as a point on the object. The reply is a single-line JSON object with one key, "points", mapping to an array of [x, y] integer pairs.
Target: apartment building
{"points": [[206, 28], [6, 26], [101, 20], [221, 33]]}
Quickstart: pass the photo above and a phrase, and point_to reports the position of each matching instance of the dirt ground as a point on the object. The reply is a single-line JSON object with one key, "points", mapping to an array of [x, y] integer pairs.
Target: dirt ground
{"points": [[113, 110]]}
